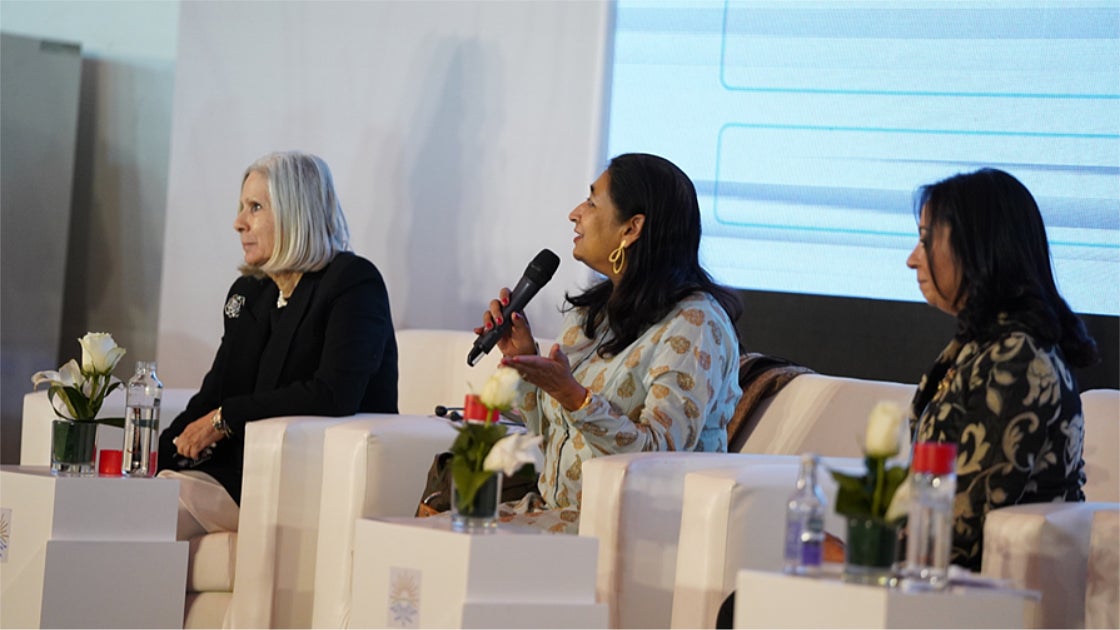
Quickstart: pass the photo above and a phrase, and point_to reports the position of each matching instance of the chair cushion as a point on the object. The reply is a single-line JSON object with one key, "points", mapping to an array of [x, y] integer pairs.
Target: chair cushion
{"points": [[212, 562], [1102, 590]]}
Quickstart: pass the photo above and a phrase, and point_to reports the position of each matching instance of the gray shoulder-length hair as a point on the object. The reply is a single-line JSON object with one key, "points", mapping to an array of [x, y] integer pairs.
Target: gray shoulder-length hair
{"points": [[310, 228]]}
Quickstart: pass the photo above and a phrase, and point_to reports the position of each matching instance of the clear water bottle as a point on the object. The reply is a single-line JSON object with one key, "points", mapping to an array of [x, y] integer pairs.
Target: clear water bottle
{"points": [[929, 540], [141, 420], [805, 521]]}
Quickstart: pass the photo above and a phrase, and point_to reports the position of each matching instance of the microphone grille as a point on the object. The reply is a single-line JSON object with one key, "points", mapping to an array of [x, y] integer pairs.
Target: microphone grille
{"points": [[542, 267]]}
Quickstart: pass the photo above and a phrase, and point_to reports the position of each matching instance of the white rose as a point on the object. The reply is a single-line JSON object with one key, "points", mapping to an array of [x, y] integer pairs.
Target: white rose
{"points": [[100, 353], [883, 430], [501, 389], [512, 452]]}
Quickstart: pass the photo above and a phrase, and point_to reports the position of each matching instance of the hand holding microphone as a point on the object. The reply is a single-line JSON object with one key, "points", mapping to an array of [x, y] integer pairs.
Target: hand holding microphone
{"points": [[516, 335], [499, 320]]}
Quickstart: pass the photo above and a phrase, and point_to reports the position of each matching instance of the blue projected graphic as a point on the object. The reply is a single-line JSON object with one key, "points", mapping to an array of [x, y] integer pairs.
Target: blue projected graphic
{"points": [[807, 127]]}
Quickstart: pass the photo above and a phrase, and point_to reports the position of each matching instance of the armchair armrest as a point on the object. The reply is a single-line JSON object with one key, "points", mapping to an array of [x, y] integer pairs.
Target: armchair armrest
{"points": [[732, 519], [374, 466], [279, 521], [1102, 592], [632, 504], [1043, 547]]}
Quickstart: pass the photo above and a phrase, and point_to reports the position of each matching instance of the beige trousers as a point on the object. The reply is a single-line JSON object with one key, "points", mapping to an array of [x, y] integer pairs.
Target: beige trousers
{"points": [[204, 505]]}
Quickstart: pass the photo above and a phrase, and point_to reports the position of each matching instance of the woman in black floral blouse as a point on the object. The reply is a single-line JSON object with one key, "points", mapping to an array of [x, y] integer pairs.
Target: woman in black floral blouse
{"points": [[1002, 389]]}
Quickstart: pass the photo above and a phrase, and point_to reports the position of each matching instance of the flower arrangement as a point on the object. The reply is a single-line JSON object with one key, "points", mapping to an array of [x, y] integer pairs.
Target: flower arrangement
{"points": [[874, 494], [77, 392], [483, 447]]}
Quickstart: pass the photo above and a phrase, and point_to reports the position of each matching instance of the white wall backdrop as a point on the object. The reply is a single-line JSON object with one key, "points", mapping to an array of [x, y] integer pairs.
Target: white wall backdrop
{"points": [[460, 135]]}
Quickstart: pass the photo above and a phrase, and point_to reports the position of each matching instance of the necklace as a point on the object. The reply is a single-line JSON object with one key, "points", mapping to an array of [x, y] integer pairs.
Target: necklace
{"points": [[290, 281]]}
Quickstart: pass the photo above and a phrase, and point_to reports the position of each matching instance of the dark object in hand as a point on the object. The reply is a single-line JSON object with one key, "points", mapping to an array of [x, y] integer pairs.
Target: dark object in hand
{"points": [[184, 462]]}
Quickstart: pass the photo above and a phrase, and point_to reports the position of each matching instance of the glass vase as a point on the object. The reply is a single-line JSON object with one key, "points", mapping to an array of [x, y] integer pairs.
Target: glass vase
{"points": [[871, 551], [479, 514], [73, 447]]}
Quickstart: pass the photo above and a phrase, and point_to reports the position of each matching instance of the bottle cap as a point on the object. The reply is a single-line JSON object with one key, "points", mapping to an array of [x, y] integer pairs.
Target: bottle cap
{"points": [[474, 410], [935, 458]]}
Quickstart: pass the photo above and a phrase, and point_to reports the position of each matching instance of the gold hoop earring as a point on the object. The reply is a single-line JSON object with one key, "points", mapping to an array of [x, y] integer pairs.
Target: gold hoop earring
{"points": [[618, 258]]}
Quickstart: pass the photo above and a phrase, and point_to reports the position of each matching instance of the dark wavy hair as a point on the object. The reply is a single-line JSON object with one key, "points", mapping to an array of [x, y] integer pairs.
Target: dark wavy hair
{"points": [[998, 238], [663, 265]]}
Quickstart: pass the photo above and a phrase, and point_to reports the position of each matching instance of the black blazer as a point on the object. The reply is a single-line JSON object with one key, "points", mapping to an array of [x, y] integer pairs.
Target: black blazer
{"points": [[330, 352]]}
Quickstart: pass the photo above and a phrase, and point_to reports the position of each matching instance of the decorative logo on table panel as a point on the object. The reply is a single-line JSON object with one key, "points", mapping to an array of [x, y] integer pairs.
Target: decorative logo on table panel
{"points": [[404, 598], [5, 532]]}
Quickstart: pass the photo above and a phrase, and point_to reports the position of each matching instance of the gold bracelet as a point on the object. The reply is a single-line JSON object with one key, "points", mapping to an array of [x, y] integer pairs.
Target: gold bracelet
{"points": [[586, 401]]}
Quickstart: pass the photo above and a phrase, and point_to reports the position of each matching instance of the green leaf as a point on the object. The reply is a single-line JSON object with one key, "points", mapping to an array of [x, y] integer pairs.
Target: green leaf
{"points": [[894, 478], [467, 482], [845, 480], [474, 442], [64, 394], [113, 422], [852, 497]]}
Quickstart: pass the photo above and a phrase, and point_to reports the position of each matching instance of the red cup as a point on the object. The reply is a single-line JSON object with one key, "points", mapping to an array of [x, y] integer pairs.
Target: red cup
{"points": [[109, 463]]}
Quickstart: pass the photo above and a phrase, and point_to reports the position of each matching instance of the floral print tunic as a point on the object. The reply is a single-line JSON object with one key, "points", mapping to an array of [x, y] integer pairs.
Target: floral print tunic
{"points": [[673, 389], [1013, 408]]}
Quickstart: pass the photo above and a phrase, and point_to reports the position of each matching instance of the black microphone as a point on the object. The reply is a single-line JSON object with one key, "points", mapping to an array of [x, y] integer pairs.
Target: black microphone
{"points": [[451, 413], [537, 274]]}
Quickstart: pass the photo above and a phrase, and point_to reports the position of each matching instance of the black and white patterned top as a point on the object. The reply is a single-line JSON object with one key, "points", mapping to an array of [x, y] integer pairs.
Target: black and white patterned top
{"points": [[1013, 408]]}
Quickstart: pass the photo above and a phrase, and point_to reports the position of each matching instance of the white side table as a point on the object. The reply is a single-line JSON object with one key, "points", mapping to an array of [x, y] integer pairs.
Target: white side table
{"points": [[89, 552], [765, 599], [416, 573]]}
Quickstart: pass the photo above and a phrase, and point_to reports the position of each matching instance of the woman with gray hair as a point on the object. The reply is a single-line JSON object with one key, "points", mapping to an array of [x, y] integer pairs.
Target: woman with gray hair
{"points": [[307, 332]]}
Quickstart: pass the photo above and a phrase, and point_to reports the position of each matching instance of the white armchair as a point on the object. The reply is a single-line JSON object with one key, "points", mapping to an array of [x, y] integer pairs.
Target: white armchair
{"points": [[634, 503], [732, 519], [1046, 547]]}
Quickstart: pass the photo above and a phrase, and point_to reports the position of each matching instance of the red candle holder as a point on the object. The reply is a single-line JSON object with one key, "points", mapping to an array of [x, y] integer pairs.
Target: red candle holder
{"points": [[109, 462], [475, 411]]}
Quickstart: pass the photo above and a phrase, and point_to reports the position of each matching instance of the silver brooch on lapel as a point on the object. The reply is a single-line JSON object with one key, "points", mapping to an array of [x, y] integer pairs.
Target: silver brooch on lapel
{"points": [[233, 306]]}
